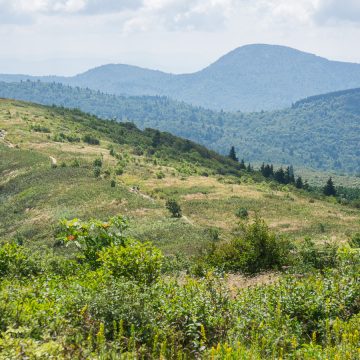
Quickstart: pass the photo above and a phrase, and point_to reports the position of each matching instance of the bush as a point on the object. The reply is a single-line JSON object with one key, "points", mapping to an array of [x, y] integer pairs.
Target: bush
{"points": [[318, 257], [75, 163], [355, 241], [160, 175], [256, 250], [140, 262], [89, 139], [39, 128], [98, 163], [174, 208], [16, 260], [119, 170], [93, 236], [242, 213], [213, 233], [97, 171], [113, 183]]}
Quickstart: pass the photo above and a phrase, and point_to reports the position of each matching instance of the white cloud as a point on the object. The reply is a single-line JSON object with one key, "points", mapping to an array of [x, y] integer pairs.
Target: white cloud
{"points": [[32, 8], [333, 11], [180, 15]]}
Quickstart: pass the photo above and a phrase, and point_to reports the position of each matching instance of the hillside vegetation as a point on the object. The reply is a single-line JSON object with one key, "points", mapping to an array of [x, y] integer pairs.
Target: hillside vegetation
{"points": [[321, 132], [148, 168], [118, 243], [249, 78]]}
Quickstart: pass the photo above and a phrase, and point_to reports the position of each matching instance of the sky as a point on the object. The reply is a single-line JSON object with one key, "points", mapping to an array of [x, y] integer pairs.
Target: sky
{"points": [[65, 37]]}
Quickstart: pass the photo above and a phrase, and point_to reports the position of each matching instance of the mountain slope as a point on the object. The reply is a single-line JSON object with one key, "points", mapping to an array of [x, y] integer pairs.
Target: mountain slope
{"points": [[47, 173], [321, 132], [250, 78]]}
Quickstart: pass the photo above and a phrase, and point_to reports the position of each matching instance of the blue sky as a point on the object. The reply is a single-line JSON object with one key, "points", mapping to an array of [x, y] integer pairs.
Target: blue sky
{"points": [[70, 36]]}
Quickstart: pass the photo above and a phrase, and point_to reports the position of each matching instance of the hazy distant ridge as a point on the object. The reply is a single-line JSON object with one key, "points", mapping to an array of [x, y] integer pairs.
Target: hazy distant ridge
{"points": [[249, 78]]}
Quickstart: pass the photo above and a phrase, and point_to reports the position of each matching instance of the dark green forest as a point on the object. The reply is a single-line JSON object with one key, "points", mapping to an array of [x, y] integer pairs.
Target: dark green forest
{"points": [[321, 132]]}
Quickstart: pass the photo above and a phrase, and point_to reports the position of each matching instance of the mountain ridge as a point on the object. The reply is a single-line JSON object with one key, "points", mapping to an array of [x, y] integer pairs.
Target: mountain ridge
{"points": [[249, 78]]}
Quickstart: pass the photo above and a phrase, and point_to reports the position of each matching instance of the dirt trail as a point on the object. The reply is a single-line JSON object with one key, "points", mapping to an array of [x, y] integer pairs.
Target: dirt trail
{"points": [[53, 161], [135, 190], [6, 142], [187, 220]]}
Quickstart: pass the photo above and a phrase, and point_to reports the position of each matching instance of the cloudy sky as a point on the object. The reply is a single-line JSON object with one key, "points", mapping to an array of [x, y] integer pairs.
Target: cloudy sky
{"points": [[69, 36]]}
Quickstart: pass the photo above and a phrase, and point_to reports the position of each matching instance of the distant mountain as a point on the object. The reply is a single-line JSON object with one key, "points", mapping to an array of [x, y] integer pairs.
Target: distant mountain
{"points": [[250, 78], [320, 132]]}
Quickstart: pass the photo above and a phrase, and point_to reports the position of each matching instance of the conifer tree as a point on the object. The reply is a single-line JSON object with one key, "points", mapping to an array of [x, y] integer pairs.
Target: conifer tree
{"points": [[329, 188], [232, 154], [279, 176], [299, 183], [242, 165]]}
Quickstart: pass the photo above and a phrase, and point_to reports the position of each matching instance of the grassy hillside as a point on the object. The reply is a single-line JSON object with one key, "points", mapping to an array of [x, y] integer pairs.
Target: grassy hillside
{"points": [[320, 132], [89, 289], [250, 78], [210, 189]]}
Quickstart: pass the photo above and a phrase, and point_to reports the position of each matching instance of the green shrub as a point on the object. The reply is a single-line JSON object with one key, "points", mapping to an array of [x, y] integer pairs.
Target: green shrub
{"points": [[16, 260], [75, 163], [113, 183], [256, 249], [317, 256], [97, 171], [213, 233], [98, 163], [89, 139], [242, 213], [93, 236], [134, 260], [355, 241], [39, 128], [160, 175], [119, 170], [174, 208]]}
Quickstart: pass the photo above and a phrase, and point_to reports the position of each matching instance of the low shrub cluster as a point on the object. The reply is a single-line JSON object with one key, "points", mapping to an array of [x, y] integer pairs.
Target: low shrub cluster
{"points": [[254, 249], [113, 301]]}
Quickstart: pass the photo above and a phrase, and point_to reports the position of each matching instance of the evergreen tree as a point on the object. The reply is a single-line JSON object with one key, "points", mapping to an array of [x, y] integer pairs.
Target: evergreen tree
{"points": [[267, 170], [249, 168], [329, 188], [299, 183], [262, 169], [279, 176], [242, 165], [232, 154], [291, 175]]}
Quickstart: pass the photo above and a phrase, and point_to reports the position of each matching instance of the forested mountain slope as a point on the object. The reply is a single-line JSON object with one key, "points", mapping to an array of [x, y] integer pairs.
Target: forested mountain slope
{"points": [[322, 132], [249, 78]]}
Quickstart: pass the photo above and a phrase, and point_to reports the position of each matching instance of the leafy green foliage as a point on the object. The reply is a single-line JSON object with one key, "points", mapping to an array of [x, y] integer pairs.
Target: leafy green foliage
{"points": [[141, 262], [317, 256], [174, 208], [91, 139], [242, 213], [102, 315], [93, 236], [255, 249], [16, 261]]}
